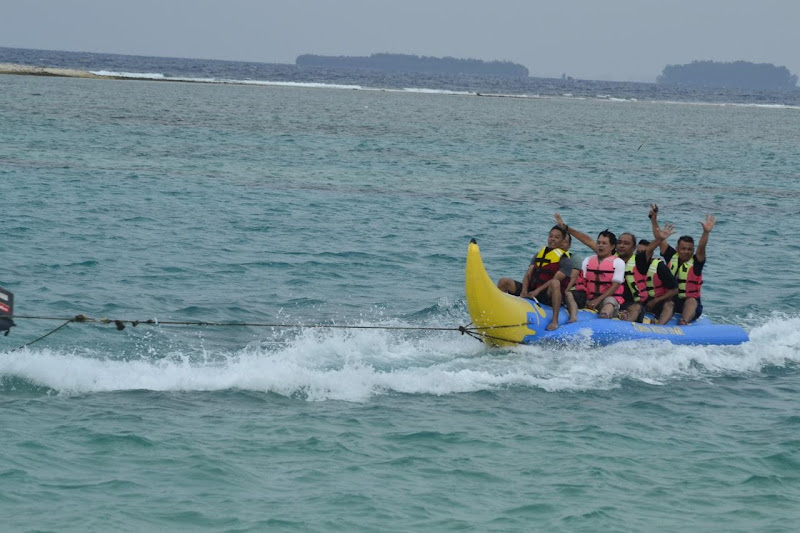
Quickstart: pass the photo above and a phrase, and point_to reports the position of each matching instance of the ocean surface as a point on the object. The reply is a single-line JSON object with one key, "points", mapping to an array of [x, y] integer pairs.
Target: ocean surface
{"points": [[250, 73], [310, 202]]}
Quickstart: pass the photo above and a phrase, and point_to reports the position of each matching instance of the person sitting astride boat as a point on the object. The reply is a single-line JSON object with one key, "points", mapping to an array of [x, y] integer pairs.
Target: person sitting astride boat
{"points": [[654, 284], [630, 308], [547, 276], [686, 265], [601, 279]]}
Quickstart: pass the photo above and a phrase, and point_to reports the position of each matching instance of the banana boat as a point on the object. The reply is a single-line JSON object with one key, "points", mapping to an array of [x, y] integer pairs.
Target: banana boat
{"points": [[502, 319]]}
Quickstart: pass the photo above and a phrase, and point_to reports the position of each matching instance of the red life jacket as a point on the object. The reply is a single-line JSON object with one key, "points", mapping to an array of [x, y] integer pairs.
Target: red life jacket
{"points": [[689, 283], [598, 278], [649, 284]]}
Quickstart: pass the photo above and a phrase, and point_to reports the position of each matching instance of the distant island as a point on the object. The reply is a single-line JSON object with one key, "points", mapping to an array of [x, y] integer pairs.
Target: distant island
{"points": [[735, 75], [413, 63]]}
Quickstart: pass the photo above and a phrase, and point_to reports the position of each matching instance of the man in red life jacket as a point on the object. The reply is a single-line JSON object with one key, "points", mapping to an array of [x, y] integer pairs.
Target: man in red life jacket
{"points": [[686, 264], [624, 250], [547, 276], [599, 284]]}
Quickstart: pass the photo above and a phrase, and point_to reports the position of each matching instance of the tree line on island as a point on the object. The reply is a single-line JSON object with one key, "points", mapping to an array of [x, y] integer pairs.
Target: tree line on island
{"points": [[413, 63], [734, 75]]}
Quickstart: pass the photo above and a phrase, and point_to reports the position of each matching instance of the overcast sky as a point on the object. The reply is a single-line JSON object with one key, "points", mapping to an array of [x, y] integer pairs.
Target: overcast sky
{"points": [[588, 39]]}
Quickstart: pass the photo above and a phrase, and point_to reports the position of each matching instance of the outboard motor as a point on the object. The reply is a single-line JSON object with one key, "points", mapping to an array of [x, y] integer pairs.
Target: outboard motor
{"points": [[6, 311]]}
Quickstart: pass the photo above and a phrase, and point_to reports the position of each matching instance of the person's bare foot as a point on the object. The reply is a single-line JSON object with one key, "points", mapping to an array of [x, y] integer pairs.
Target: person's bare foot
{"points": [[572, 320], [552, 326]]}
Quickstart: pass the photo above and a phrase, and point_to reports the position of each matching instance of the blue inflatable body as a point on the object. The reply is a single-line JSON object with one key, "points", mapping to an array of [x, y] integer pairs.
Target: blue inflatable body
{"points": [[605, 331]]}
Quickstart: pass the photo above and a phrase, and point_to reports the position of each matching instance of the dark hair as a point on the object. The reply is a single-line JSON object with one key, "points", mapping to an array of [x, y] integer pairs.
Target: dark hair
{"points": [[568, 237], [644, 242], [633, 237], [559, 228], [611, 237], [686, 238]]}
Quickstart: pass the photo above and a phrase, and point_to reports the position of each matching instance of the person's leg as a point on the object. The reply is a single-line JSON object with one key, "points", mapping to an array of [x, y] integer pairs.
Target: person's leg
{"points": [[509, 286], [572, 307], [609, 308], [667, 310], [554, 291], [606, 310], [698, 311], [689, 309], [631, 312]]}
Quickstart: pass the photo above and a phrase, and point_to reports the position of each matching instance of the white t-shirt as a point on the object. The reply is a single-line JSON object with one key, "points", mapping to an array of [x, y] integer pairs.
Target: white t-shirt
{"points": [[619, 269]]}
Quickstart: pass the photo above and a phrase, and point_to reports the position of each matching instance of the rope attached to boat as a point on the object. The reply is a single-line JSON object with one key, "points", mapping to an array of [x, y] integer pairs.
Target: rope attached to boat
{"points": [[42, 337], [478, 333]]}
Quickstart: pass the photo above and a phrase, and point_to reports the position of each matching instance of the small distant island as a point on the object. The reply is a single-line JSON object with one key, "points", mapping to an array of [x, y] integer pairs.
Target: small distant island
{"points": [[413, 63], [734, 75]]}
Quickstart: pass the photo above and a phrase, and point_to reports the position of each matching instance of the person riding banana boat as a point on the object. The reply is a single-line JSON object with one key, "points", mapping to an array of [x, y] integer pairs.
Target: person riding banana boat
{"points": [[686, 264], [547, 276], [599, 286], [655, 285]]}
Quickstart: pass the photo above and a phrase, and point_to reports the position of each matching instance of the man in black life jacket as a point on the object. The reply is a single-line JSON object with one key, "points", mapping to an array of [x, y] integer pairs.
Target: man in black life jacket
{"points": [[547, 276], [655, 284]]}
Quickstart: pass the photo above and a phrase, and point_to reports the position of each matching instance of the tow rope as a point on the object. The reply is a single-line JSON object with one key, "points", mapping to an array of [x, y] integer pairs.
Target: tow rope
{"points": [[477, 333]]}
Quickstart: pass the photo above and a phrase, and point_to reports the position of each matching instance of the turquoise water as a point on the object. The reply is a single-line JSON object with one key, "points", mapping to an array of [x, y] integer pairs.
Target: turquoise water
{"points": [[192, 202]]}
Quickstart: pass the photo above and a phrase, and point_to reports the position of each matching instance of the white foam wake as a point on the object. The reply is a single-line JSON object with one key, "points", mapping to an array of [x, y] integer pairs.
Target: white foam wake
{"points": [[357, 365]]}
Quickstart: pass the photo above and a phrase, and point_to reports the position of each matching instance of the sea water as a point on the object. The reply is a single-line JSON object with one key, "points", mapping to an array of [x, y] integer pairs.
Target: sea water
{"points": [[187, 202]]}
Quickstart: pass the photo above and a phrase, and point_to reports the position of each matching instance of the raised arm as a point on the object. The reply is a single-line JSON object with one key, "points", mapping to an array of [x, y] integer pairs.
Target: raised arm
{"points": [[585, 239], [653, 215], [662, 234], [708, 225]]}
